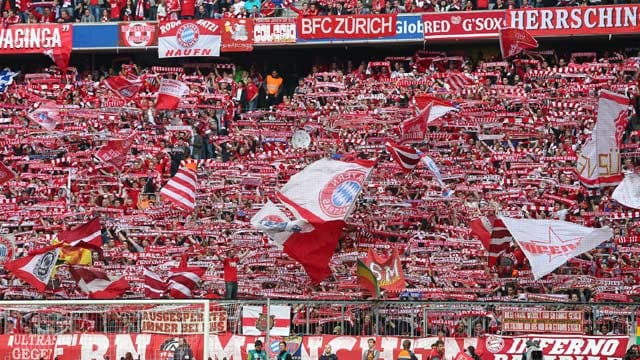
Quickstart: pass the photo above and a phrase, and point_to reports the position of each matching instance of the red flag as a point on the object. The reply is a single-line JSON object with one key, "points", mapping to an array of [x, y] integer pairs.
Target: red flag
{"points": [[414, 129], [154, 286], [97, 284], [122, 86], [170, 94], [481, 227], [6, 173], [88, 236], [387, 271], [181, 189], [60, 57], [184, 279], [462, 356], [115, 152], [47, 116], [515, 41], [36, 268], [407, 157]]}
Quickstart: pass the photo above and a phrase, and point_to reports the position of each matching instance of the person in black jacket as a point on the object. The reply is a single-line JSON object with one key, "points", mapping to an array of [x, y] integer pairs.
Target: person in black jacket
{"points": [[183, 351], [327, 354]]}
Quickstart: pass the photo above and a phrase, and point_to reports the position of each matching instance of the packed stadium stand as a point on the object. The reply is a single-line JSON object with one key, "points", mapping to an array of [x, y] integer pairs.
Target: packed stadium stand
{"points": [[319, 174]]}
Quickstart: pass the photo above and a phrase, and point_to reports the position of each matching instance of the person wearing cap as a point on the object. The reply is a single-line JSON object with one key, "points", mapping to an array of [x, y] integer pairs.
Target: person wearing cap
{"points": [[257, 353]]}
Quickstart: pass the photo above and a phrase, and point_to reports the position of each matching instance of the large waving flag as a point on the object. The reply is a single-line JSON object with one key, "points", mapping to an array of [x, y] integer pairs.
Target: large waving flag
{"points": [[6, 79], [322, 195], [6, 173], [599, 162], [115, 151], [97, 284], [88, 236], [367, 279], [181, 189], [415, 128], [548, 244], [184, 279], [170, 94], [46, 115], [125, 88], [628, 192], [493, 235], [407, 157], [36, 268], [154, 286], [515, 41]]}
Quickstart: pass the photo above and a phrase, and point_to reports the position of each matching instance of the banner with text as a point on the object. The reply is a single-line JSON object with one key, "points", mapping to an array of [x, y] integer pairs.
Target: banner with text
{"points": [[557, 322], [274, 31], [462, 25], [181, 38], [346, 27], [182, 322], [137, 34], [580, 20], [237, 35], [36, 39], [235, 347]]}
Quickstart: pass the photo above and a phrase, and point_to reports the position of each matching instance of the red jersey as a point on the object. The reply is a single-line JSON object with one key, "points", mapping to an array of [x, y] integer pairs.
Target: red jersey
{"points": [[231, 269]]}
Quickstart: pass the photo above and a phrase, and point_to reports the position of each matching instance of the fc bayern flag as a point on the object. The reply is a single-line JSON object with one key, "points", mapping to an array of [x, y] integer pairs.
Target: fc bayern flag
{"points": [[515, 41], [115, 152], [122, 86], [407, 157], [46, 115], [36, 268], [256, 320], [97, 284], [170, 94]]}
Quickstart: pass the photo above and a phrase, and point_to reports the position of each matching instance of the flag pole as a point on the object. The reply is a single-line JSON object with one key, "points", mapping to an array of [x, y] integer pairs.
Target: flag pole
{"points": [[267, 345]]}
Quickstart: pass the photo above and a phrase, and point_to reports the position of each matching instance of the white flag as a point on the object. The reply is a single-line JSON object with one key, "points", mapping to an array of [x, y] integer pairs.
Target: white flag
{"points": [[170, 94], [548, 244], [628, 192], [275, 223], [599, 162], [326, 189], [256, 322]]}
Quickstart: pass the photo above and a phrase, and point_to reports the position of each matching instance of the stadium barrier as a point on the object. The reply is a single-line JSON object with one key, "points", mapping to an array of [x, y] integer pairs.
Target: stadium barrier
{"points": [[150, 329]]}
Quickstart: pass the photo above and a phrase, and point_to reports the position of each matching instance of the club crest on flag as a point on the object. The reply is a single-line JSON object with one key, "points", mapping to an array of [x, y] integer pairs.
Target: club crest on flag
{"points": [[44, 265], [188, 35], [554, 246], [261, 323], [340, 192]]}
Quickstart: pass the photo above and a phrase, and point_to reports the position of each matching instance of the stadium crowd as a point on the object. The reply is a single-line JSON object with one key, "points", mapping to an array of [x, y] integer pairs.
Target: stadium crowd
{"points": [[510, 149]]}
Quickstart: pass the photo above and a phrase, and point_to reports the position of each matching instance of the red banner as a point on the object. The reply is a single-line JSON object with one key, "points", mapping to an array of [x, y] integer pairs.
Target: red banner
{"points": [[388, 271], [557, 322], [274, 31], [237, 35], [580, 20], [463, 25], [95, 346], [34, 39], [235, 347], [137, 34], [346, 27]]}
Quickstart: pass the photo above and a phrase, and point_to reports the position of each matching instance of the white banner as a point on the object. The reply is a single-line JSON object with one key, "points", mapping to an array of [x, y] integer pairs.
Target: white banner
{"points": [[181, 38], [255, 320], [599, 163]]}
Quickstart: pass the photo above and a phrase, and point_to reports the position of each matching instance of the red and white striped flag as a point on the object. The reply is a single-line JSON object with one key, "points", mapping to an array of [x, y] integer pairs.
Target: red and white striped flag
{"points": [[36, 268], [170, 94], [184, 279], [494, 236], [181, 189], [97, 284], [88, 236], [154, 286], [255, 320], [458, 81], [407, 157]]}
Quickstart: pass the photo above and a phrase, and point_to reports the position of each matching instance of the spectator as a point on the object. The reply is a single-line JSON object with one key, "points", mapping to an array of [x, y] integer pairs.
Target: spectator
{"points": [[87, 17], [371, 353], [273, 87], [327, 354], [183, 351]]}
